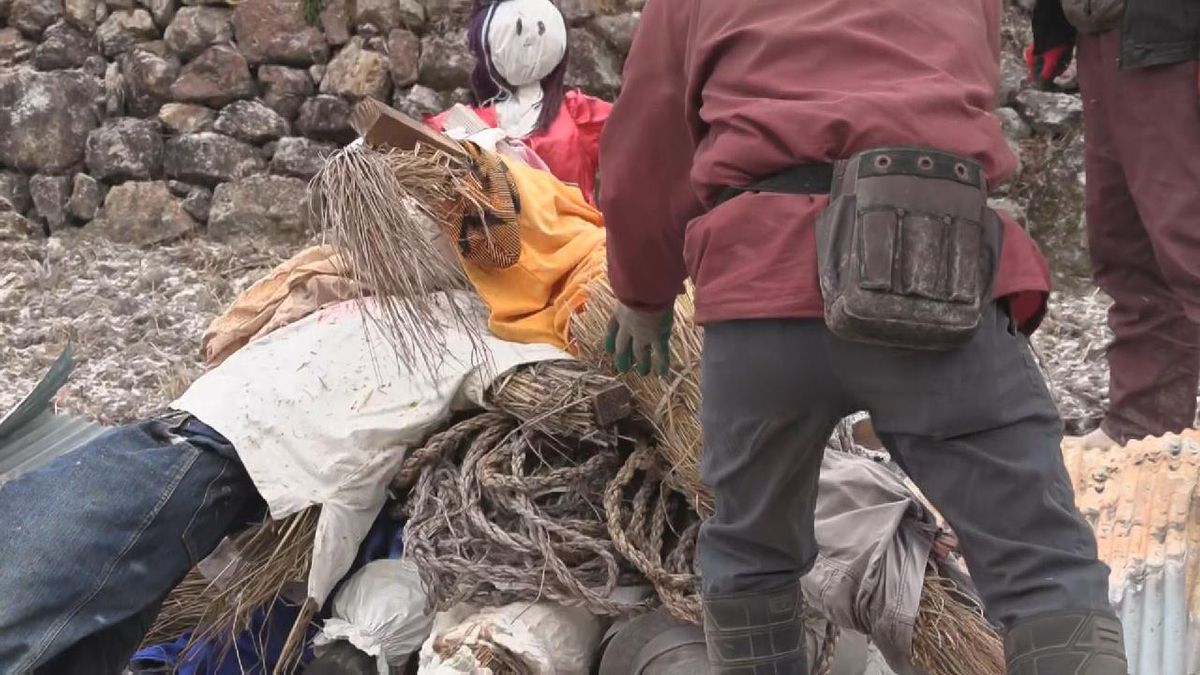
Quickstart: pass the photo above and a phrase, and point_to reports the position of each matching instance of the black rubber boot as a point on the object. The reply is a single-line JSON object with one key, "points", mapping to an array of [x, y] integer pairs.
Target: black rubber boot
{"points": [[1067, 643], [756, 633]]}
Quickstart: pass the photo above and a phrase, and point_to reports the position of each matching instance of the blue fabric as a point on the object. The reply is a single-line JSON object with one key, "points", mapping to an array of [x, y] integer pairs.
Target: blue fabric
{"points": [[384, 540], [254, 652], [98, 536]]}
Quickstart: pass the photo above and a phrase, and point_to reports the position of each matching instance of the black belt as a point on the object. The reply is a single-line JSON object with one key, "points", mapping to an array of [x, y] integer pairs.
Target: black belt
{"points": [[805, 179]]}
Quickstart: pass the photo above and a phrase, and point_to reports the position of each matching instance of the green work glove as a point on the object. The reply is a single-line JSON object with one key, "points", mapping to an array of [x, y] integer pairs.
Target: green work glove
{"points": [[641, 338]]}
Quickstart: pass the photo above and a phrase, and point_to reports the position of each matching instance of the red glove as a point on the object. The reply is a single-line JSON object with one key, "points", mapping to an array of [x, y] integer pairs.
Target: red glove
{"points": [[1045, 67]]}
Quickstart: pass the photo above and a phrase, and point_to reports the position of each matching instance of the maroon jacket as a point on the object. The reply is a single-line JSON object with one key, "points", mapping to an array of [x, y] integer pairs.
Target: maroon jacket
{"points": [[726, 93]]}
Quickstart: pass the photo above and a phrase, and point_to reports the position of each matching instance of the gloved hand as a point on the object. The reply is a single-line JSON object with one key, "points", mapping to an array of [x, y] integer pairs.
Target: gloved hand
{"points": [[641, 338], [1045, 67], [1053, 43]]}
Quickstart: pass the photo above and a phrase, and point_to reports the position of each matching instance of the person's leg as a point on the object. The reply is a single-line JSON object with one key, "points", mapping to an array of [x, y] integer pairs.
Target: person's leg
{"points": [[976, 430], [1142, 158], [98, 536], [769, 403]]}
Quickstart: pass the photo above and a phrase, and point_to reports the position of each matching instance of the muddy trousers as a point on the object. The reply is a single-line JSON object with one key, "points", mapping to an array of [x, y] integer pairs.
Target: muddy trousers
{"points": [[974, 428], [1142, 158]]}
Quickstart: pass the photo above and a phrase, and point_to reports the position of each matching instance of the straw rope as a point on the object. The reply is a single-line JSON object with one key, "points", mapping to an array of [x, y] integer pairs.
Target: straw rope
{"points": [[500, 515]]}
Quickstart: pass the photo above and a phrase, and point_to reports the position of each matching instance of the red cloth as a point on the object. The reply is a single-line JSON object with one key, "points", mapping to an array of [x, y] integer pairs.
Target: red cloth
{"points": [[571, 146], [725, 93], [1142, 158]]}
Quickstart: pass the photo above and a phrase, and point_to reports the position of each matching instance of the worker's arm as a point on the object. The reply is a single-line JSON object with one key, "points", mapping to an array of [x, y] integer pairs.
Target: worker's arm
{"points": [[645, 161]]}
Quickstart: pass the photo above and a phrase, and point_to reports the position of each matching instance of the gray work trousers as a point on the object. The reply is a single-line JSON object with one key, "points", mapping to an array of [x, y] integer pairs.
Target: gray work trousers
{"points": [[975, 428]]}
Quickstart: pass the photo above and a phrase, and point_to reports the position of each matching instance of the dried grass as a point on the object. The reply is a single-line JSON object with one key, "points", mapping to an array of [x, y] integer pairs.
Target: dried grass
{"points": [[672, 403], [951, 636], [378, 206], [273, 556], [556, 398]]}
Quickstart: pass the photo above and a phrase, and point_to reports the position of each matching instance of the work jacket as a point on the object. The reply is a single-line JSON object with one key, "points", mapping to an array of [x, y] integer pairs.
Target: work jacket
{"points": [[1153, 32]]}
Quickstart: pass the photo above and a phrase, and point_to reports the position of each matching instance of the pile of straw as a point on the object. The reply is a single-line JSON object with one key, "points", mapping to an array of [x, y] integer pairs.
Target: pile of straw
{"points": [[498, 514], [272, 557], [564, 399]]}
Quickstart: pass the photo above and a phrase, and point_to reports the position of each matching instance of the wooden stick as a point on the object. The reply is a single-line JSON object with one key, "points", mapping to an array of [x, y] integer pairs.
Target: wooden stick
{"points": [[382, 126]]}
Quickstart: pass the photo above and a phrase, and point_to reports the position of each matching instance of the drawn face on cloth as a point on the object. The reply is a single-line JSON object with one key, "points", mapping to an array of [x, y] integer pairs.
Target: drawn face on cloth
{"points": [[526, 40]]}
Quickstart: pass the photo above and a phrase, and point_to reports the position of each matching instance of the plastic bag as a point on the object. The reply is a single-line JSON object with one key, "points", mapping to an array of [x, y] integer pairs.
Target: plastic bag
{"points": [[544, 638], [381, 610]]}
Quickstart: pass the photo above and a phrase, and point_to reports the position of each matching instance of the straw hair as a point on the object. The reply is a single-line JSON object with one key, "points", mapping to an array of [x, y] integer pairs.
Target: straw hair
{"points": [[386, 211]]}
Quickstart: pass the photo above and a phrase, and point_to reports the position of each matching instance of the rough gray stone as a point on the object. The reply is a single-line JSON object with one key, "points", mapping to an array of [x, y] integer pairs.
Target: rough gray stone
{"points": [[14, 226], [81, 14], [14, 48], [1012, 78], [46, 118], [218, 76], [1054, 190], [1051, 112], [404, 57], [123, 29], [335, 21], [209, 158], [445, 61], [300, 157], [197, 203], [148, 76], [326, 118], [1014, 127], [87, 195], [162, 11], [195, 29], [356, 73], [114, 90], [418, 100], [50, 195], [185, 118], [126, 148], [251, 122], [62, 47], [272, 207], [142, 213], [284, 89], [385, 16], [274, 31], [14, 189], [593, 66], [31, 17], [577, 12], [617, 30]]}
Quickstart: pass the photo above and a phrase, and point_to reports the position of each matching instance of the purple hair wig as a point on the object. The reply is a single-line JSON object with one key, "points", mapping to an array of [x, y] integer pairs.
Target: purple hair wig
{"points": [[487, 84]]}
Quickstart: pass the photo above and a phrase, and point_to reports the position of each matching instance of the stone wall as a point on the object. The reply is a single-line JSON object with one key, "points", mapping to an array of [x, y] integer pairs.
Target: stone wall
{"points": [[146, 120], [149, 119]]}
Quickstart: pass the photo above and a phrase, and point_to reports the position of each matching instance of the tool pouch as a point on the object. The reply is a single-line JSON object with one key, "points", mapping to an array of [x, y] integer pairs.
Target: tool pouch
{"points": [[908, 249]]}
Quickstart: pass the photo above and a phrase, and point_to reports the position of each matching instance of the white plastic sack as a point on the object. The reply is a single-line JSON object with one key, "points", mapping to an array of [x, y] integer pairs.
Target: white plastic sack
{"points": [[381, 610], [546, 638]]}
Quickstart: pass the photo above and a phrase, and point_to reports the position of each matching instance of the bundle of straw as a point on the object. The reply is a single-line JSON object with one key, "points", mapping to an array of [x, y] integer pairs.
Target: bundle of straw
{"points": [[564, 399], [672, 404], [273, 556], [951, 636]]}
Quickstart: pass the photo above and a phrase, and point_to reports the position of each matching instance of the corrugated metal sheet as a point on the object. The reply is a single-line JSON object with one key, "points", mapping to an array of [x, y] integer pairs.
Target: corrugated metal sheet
{"points": [[1142, 500], [32, 434]]}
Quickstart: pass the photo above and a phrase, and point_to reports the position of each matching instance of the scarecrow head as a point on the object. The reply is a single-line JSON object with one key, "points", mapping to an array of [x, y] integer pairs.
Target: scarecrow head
{"points": [[520, 50]]}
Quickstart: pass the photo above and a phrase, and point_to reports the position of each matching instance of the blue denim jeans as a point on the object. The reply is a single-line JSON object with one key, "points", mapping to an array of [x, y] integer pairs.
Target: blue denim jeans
{"points": [[92, 543]]}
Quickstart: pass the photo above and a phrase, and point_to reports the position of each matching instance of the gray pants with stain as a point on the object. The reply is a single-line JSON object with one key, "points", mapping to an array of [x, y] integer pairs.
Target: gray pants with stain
{"points": [[975, 428]]}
